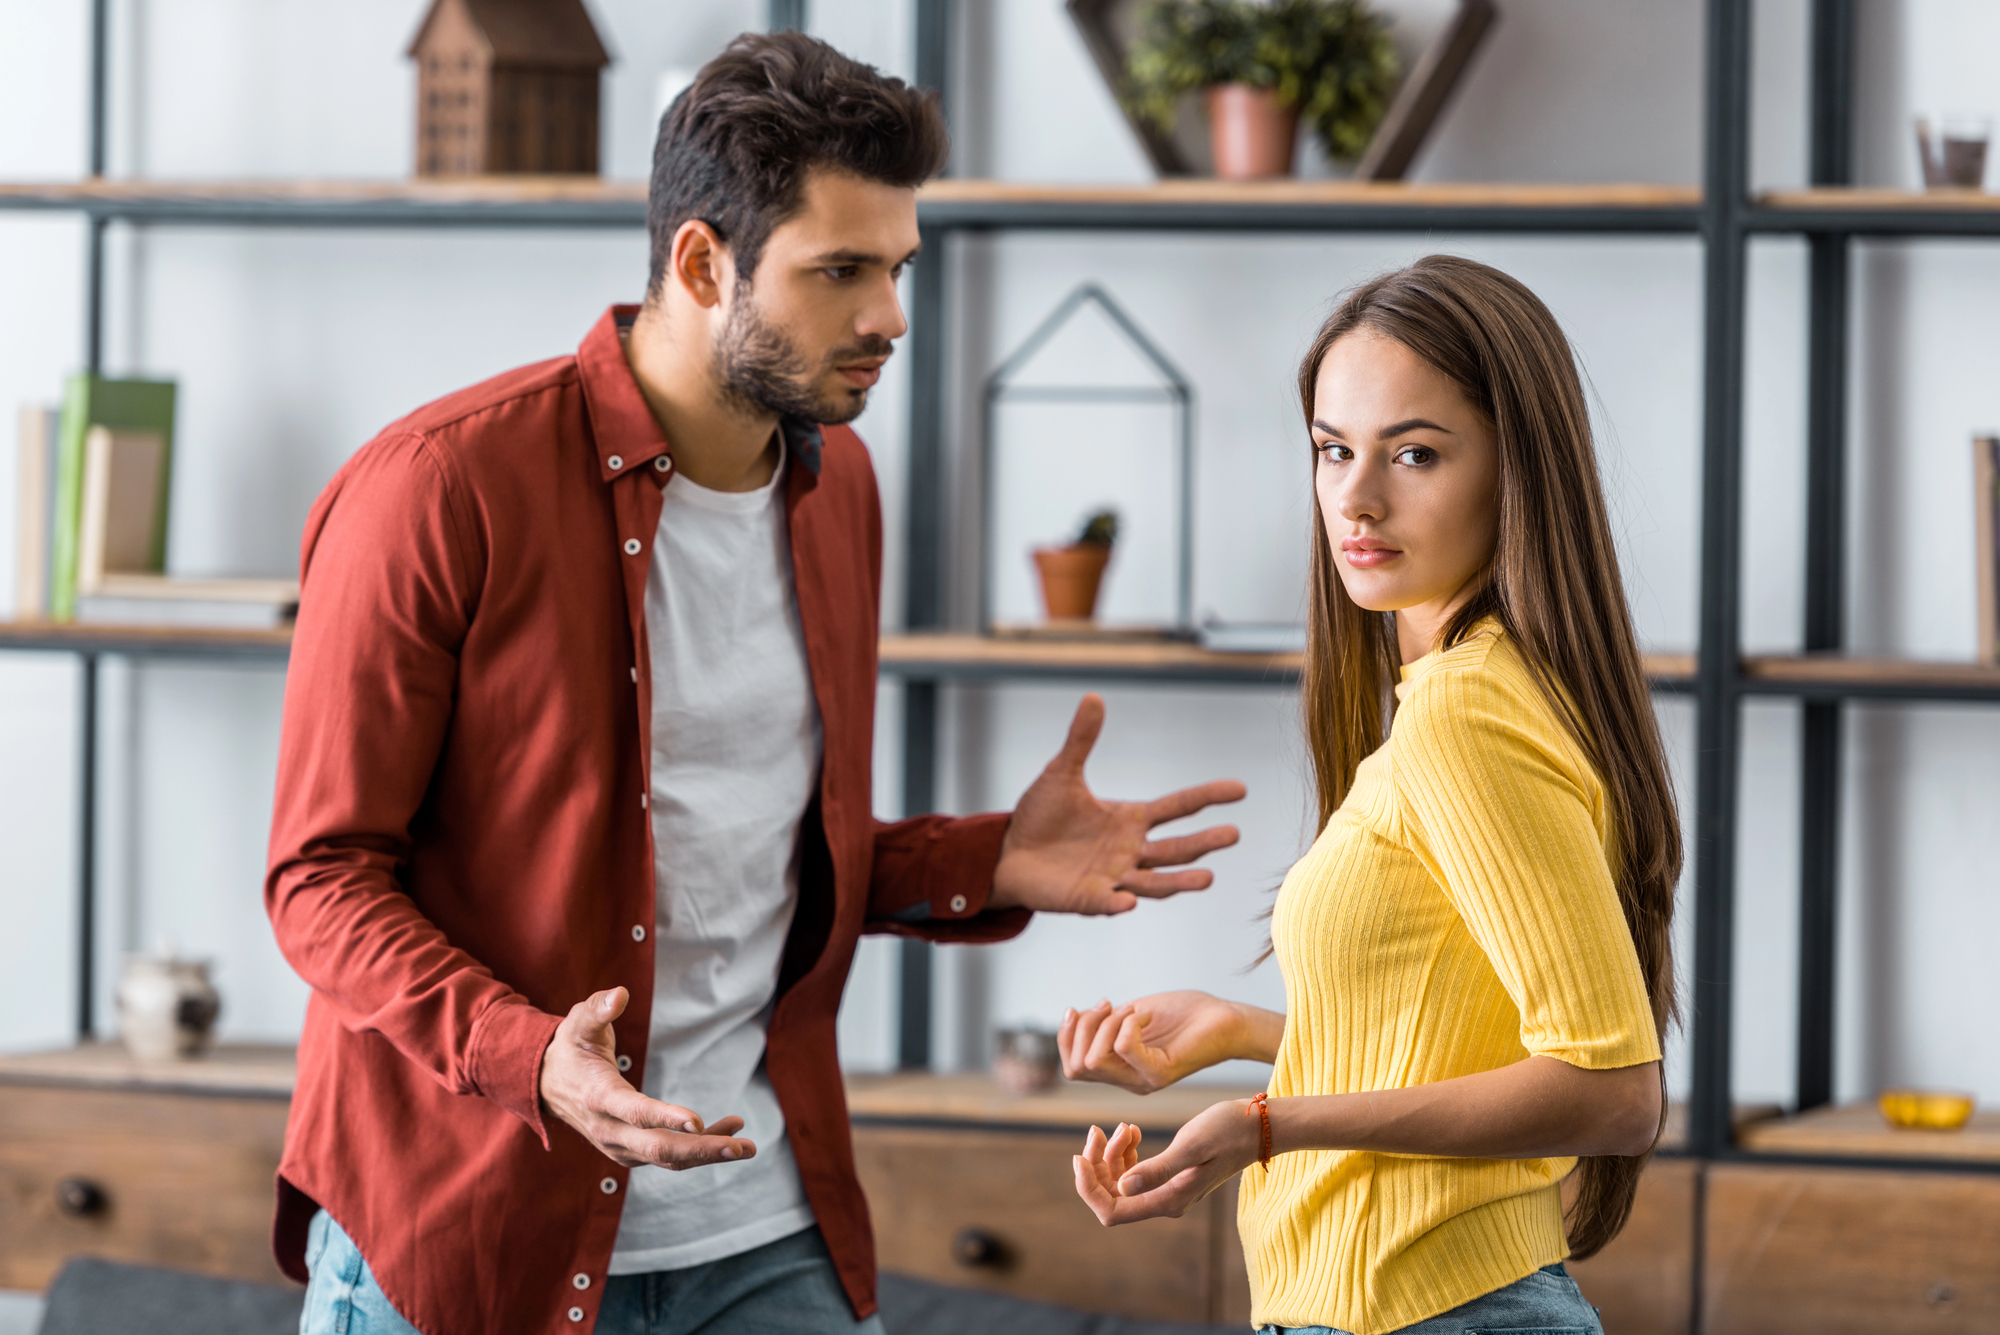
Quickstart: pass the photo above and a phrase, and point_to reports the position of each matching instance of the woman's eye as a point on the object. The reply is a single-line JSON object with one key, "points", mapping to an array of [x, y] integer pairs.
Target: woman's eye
{"points": [[1333, 451], [1416, 455]]}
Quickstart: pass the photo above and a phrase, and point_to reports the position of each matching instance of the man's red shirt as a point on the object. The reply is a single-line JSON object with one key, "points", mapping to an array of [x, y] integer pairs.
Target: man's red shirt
{"points": [[461, 851]]}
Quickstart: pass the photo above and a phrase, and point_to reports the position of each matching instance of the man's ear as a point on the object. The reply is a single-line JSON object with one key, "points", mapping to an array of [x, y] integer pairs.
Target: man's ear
{"points": [[700, 263]]}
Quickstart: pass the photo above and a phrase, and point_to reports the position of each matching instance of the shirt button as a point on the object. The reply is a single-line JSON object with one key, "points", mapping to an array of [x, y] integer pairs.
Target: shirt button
{"points": [[635, 676], [581, 1281], [638, 933], [616, 461], [576, 1314], [958, 903], [609, 1186], [631, 546], [664, 464], [624, 1064], [642, 801]]}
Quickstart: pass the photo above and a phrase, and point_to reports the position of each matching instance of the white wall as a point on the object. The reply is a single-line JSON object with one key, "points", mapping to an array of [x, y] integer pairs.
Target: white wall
{"points": [[291, 348]]}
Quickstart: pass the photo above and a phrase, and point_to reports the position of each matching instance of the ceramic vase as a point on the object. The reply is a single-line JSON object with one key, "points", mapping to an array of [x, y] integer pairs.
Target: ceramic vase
{"points": [[166, 1007], [1071, 577], [1252, 134]]}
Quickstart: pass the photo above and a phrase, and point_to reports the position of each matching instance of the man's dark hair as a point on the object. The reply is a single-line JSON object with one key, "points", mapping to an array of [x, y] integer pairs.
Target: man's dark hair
{"points": [[735, 148]]}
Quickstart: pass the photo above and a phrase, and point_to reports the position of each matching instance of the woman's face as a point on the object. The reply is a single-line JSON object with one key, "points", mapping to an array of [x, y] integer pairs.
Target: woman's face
{"points": [[1408, 475]]}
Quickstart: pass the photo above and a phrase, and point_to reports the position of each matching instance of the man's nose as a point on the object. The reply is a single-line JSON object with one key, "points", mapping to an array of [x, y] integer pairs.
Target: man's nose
{"points": [[883, 317]]}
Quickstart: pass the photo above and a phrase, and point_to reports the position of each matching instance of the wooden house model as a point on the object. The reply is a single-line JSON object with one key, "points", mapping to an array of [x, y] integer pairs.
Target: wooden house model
{"points": [[507, 86]]}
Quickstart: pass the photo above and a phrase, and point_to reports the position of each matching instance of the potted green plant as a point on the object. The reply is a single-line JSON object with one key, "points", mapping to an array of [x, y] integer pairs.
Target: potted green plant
{"points": [[1071, 575], [1264, 68]]}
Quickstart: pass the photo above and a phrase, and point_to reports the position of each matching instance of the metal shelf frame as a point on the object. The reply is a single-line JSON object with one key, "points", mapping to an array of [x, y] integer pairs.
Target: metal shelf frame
{"points": [[1724, 217]]}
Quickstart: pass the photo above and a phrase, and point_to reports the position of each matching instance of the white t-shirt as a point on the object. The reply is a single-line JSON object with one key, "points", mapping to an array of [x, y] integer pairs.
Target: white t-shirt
{"points": [[736, 751]]}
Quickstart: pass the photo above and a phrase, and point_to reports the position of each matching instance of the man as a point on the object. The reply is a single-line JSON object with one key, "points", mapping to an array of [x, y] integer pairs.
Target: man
{"points": [[572, 834]]}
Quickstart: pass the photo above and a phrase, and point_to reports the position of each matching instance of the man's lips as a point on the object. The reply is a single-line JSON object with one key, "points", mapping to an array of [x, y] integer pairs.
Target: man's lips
{"points": [[861, 374], [1367, 553]]}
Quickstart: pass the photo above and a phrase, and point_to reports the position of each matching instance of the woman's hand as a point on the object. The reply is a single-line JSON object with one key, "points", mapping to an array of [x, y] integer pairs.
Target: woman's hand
{"points": [[1150, 1043], [1216, 1145]]}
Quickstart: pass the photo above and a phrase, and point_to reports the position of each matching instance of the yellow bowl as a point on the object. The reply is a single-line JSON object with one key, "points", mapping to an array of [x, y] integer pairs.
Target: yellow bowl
{"points": [[1925, 1109]]}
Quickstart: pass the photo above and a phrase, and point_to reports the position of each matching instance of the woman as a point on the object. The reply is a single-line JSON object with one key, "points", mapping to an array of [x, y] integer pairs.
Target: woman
{"points": [[1476, 956]]}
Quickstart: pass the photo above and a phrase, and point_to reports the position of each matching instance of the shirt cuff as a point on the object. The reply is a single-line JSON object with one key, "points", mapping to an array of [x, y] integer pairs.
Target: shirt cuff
{"points": [[505, 1059]]}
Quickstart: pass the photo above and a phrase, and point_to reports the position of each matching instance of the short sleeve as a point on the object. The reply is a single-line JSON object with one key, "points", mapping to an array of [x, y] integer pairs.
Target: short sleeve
{"points": [[1499, 807]]}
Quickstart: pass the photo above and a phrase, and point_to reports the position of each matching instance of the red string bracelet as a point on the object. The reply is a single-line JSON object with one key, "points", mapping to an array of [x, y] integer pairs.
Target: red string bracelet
{"points": [[1262, 1103]]}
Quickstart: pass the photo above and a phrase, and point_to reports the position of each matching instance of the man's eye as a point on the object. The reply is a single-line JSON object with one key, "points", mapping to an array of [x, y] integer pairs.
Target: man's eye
{"points": [[840, 273]]}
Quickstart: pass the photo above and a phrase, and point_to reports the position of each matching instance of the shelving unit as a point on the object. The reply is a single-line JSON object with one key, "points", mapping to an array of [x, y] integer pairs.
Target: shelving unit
{"points": [[1722, 213]]}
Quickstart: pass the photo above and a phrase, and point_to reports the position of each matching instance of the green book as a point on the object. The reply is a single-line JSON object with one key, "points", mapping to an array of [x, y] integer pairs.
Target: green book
{"points": [[124, 405]]}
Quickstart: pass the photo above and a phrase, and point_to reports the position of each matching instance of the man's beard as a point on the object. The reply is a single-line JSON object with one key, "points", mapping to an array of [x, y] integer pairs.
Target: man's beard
{"points": [[761, 370]]}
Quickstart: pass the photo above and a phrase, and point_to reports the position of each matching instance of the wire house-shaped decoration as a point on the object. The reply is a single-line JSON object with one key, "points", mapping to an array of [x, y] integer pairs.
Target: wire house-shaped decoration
{"points": [[1172, 391]]}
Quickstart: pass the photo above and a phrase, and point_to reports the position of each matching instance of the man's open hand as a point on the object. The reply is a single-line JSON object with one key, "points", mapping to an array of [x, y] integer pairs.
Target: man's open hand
{"points": [[1068, 852], [581, 1085]]}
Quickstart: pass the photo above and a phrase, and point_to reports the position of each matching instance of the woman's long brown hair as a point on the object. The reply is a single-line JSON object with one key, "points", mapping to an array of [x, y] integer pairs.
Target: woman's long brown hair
{"points": [[1553, 585]]}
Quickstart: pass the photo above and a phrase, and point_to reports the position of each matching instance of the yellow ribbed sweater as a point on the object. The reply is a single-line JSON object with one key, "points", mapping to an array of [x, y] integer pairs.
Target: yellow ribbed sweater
{"points": [[1456, 915]]}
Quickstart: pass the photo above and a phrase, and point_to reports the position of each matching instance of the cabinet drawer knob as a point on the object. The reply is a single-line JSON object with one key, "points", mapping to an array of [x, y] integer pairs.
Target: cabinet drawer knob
{"points": [[79, 1197], [976, 1248]]}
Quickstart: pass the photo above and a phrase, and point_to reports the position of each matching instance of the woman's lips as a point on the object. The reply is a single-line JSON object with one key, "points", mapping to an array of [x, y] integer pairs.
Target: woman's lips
{"points": [[1368, 553]]}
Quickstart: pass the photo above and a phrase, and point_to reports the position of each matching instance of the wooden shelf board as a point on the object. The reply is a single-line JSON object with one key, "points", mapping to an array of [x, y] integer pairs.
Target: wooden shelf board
{"points": [[576, 189], [72, 636], [1859, 1129], [418, 190], [232, 1068], [983, 655], [1430, 194], [1840, 670], [1909, 201], [950, 654], [956, 655]]}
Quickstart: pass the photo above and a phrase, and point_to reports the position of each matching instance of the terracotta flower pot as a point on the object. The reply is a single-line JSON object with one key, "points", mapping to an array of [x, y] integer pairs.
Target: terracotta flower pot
{"points": [[1253, 135], [1070, 578]]}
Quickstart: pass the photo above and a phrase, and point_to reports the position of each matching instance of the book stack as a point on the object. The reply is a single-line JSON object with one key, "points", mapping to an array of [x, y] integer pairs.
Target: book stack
{"points": [[91, 528]]}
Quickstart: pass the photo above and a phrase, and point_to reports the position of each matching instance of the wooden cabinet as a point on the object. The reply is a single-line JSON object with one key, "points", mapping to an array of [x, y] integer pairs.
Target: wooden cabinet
{"points": [[971, 1187], [166, 1165], [1837, 1250]]}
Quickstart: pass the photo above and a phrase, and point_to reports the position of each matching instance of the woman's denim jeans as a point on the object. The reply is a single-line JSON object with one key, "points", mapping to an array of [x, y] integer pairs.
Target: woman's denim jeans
{"points": [[1547, 1302]]}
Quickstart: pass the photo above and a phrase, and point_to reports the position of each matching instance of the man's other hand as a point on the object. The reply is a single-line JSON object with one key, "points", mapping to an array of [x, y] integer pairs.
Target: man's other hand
{"points": [[581, 1084], [1068, 852]]}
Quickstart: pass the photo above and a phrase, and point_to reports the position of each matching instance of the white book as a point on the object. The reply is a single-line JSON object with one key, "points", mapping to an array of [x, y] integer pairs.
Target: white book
{"points": [[162, 600], [123, 473], [1253, 637], [34, 511]]}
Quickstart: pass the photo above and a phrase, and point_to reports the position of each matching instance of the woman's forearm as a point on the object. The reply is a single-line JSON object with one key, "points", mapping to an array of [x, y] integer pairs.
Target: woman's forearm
{"points": [[1259, 1032], [1537, 1108]]}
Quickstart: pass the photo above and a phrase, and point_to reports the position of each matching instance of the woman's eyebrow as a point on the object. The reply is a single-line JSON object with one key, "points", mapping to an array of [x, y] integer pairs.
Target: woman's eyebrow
{"points": [[1400, 428], [1415, 424]]}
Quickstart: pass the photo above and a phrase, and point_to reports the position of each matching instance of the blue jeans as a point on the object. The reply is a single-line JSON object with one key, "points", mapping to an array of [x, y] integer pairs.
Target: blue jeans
{"points": [[784, 1286], [1547, 1302]]}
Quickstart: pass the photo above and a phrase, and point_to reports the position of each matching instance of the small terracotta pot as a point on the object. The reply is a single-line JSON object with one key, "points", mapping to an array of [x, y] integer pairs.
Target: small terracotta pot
{"points": [[1252, 134], [1070, 577]]}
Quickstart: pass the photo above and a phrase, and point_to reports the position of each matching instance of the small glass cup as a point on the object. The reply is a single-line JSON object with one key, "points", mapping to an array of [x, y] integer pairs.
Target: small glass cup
{"points": [[1953, 151], [1028, 1060]]}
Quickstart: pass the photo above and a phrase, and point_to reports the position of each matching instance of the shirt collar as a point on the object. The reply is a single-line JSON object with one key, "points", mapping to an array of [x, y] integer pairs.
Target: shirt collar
{"points": [[628, 436]]}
